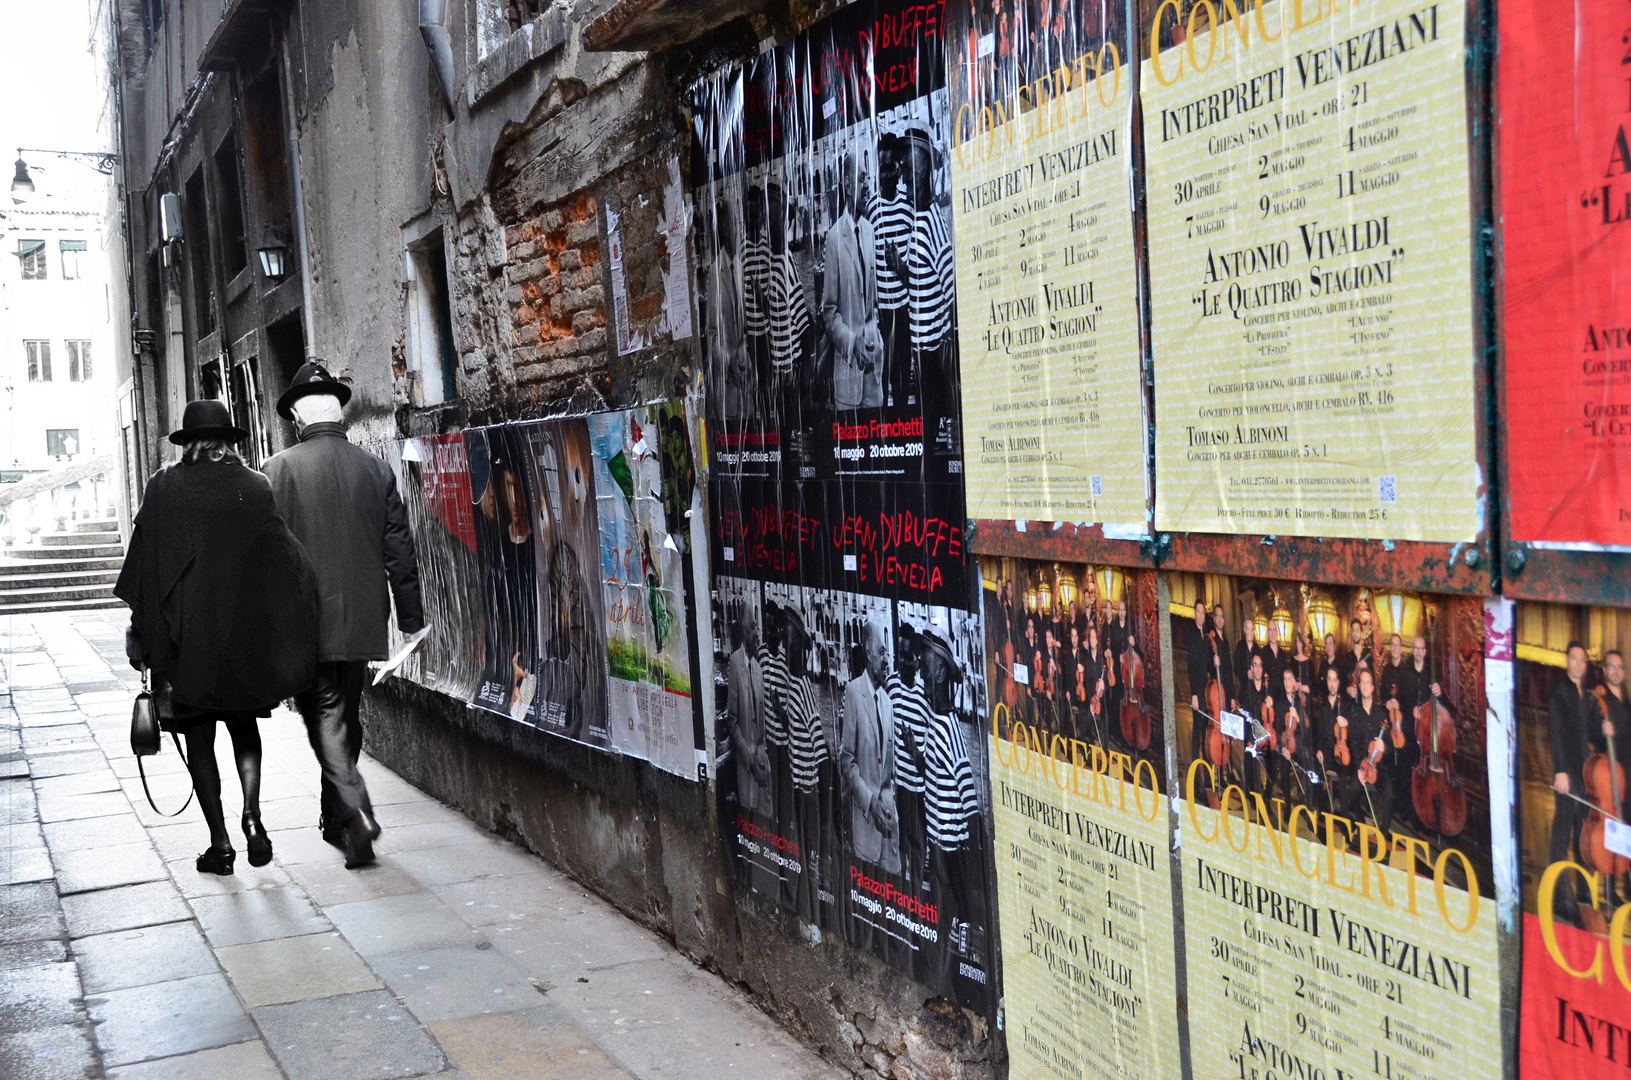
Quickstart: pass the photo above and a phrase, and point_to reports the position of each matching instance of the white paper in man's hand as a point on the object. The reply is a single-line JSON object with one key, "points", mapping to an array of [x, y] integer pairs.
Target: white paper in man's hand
{"points": [[402, 654]]}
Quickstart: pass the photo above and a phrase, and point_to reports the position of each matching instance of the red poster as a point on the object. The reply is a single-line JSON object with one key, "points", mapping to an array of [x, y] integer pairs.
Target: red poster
{"points": [[1574, 1017], [1565, 102]]}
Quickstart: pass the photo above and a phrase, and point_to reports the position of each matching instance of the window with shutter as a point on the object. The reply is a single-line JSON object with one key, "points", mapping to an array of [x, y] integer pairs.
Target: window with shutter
{"points": [[71, 254], [32, 255]]}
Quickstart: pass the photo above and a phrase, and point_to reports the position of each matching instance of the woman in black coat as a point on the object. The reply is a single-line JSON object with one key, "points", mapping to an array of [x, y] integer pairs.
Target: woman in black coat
{"points": [[223, 613]]}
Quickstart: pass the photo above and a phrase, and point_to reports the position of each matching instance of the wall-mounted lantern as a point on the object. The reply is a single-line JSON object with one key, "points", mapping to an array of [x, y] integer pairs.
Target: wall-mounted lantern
{"points": [[274, 253]]}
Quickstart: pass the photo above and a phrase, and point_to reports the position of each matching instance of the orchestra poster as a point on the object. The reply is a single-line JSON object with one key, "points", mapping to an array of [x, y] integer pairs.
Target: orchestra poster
{"points": [[1338, 895], [551, 556], [1310, 268], [1565, 199], [1083, 834], [1041, 124], [850, 762], [1574, 735]]}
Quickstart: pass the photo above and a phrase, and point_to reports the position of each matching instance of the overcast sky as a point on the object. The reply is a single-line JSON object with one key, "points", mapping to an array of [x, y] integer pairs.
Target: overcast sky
{"points": [[50, 93]]}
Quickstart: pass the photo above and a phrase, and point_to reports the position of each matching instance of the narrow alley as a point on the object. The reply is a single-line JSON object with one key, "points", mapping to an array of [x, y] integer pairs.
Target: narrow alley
{"points": [[457, 955]]}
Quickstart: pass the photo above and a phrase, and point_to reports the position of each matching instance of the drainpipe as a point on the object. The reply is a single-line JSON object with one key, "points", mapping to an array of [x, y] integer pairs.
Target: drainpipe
{"points": [[431, 15], [292, 143]]}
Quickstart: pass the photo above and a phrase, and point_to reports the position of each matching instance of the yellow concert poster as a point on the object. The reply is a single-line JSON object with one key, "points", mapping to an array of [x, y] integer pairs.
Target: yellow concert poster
{"points": [[1047, 298], [1337, 883], [1310, 267], [1082, 821]]}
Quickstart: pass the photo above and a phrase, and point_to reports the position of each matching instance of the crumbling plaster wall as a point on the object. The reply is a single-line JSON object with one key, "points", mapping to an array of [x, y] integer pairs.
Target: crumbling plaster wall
{"points": [[365, 156]]}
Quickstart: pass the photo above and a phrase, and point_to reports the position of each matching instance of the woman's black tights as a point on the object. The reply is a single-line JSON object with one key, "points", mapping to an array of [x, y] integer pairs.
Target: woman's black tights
{"points": [[246, 748]]}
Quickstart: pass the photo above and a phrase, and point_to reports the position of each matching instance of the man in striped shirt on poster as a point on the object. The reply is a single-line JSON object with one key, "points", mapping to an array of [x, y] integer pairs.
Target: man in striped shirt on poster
{"points": [[892, 230], [809, 759], [773, 672], [931, 285], [756, 277], [911, 707], [952, 812], [791, 329]]}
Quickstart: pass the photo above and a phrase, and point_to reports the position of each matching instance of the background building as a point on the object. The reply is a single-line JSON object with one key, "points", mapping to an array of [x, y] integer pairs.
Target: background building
{"points": [[56, 325]]}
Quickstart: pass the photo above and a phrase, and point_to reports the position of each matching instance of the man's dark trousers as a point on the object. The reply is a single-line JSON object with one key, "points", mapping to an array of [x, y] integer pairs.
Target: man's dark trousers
{"points": [[331, 709]]}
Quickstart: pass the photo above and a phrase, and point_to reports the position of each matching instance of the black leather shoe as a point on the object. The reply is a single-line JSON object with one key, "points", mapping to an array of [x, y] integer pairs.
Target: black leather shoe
{"points": [[359, 841], [260, 845], [214, 861]]}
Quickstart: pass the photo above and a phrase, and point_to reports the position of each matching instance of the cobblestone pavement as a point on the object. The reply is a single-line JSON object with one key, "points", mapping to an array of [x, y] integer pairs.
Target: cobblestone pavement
{"points": [[458, 955]]}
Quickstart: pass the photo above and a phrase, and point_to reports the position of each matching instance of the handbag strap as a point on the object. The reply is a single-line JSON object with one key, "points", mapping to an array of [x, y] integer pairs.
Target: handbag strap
{"points": [[146, 791]]}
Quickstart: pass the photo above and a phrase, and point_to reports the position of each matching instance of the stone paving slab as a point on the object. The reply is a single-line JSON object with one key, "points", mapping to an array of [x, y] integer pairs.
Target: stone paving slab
{"points": [[152, 954], [458, 955], [125, 908], [89, 869], [367, 1036], [257, 915], [246, 1060], [289, 969], [168, 1018]]}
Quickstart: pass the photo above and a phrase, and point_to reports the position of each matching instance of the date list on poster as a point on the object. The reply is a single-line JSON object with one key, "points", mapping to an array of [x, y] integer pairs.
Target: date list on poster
{"points": [[1310, 245]]}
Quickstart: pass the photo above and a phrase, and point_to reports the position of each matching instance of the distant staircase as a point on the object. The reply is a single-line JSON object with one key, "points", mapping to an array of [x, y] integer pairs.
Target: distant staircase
{"points": [[63, 571]]}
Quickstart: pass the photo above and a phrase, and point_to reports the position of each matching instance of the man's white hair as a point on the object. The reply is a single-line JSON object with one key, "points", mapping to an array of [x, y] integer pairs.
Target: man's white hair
{"points": [[317, 409]]}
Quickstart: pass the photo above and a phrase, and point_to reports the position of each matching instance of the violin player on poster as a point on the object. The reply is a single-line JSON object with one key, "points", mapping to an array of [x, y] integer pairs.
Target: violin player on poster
{"points": [[1578, 730]]}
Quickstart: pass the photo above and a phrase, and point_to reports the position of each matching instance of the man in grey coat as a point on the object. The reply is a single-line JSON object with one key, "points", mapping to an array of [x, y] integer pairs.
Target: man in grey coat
{"points": [[341, 502]]}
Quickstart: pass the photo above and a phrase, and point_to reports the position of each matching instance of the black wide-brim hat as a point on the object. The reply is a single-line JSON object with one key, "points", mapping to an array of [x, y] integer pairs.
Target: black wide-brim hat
{"points": [[312, 378], [207, 420], [935, 643]]}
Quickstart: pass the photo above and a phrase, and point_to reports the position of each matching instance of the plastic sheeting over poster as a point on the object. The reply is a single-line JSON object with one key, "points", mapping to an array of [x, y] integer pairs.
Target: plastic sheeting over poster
{"points": [[1311, 268], [551, 558], [851, 689], [1338, 892], [1566, 259], [1574, 739], [1047, 273], [1079, 787]]}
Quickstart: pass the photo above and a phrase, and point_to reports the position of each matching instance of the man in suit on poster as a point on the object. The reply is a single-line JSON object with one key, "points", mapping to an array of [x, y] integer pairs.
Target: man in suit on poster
{"points": [[867, 758], [1203, 664], [744, 704], [849, 300], [1576, 727]]}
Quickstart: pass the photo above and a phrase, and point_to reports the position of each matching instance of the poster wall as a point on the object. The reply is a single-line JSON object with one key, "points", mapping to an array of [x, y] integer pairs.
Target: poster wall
{"points": [[433, 480], [642, 531], [1574, 737], [849, 762], [552, 578], [1080, 804], [1337, 881], [851, 688], [1310, 268], [1041, 124], [1565, 192]]}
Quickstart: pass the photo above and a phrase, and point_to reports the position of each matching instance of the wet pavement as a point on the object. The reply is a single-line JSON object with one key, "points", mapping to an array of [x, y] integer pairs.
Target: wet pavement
{"points": [[458, 955]]}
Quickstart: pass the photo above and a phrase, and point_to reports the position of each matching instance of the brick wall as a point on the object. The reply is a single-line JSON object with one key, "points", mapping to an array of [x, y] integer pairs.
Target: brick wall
{"points": [[556, 294]]}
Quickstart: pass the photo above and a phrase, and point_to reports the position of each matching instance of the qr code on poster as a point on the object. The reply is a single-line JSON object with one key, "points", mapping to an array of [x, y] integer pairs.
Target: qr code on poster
{"points": [[1389, 490], [1098, 487]]}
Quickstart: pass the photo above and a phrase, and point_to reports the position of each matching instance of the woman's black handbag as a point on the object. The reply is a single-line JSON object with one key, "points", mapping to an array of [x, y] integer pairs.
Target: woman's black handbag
{"points": [[145, 736]]}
